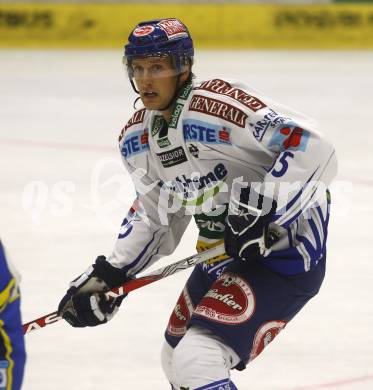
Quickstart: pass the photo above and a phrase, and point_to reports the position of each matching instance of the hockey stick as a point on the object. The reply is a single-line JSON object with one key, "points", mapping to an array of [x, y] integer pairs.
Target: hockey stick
{"points": [[164, 272]]}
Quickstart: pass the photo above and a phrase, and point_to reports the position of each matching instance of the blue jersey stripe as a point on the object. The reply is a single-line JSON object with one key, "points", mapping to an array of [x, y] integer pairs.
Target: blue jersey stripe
{"points": [[140, 256], [145, 264], [316, 235], [218, 385], [295, 201]]}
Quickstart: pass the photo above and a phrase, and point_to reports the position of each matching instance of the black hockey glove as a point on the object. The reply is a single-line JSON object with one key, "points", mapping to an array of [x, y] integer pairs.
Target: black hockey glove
{"points": [[247, 234], [85, 302]]}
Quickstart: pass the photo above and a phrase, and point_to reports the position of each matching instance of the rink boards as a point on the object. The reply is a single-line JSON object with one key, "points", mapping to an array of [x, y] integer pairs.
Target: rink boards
{"points": [[218, 25]]}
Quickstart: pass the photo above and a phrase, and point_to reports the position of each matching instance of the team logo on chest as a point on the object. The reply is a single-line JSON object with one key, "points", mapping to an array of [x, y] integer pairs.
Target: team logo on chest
{"points": [[159, 131]]}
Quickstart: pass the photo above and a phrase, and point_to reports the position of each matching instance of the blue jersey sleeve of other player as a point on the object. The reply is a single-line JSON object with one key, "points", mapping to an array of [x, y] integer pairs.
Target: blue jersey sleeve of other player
{"points": [[12, 346]]}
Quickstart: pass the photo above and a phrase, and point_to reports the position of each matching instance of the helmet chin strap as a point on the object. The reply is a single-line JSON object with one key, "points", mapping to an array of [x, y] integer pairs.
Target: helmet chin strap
{"points": [[135, 89]]}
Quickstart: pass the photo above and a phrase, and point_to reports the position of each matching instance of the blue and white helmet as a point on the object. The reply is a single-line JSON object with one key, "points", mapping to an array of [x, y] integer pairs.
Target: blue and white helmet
{"points": [[160, 37]]}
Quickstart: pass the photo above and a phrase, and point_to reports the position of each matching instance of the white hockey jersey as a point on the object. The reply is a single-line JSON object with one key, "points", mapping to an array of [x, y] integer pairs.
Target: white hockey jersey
{"points": [[222, 133]]}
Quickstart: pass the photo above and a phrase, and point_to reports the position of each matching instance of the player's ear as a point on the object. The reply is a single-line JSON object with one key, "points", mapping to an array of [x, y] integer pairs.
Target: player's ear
{"points": [[185, 75]]}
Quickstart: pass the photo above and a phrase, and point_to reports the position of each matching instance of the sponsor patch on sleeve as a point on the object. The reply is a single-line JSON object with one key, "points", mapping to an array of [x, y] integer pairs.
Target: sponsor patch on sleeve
{"points": [[135, 143], [289, 137], [137, 117], [268, 121]]}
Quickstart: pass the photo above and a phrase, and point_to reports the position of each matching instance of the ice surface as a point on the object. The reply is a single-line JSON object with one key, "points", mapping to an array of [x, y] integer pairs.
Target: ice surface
{"points": [[64, 193]]}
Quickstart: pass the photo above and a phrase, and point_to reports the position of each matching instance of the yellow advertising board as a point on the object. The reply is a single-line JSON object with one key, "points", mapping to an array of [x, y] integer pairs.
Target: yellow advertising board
{"points": [[218, 25]]}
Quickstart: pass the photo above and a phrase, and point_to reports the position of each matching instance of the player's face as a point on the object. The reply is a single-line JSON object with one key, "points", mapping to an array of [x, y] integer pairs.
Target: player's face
{"points": [[156, 80]]}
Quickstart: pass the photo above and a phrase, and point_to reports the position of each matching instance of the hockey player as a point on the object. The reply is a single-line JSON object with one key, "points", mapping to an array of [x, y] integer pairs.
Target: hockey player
{"points": [[252, 173], [12, 346]]}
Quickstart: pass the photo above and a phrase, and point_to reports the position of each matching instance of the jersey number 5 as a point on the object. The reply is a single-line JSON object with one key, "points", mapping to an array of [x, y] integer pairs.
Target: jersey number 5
{"points": [[281, 170]]}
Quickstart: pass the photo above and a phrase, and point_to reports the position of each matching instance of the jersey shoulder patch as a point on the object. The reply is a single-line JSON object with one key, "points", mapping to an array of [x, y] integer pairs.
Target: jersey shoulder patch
{"points": [[137, 117], [222, 87]]}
